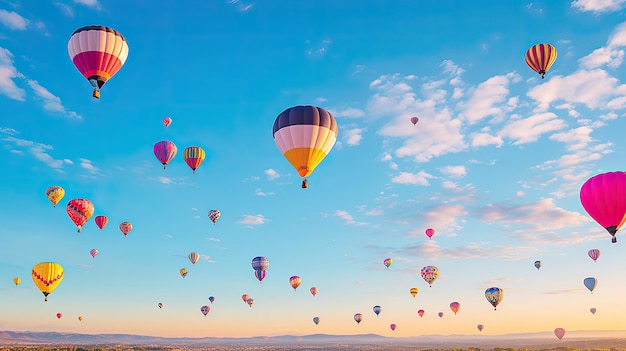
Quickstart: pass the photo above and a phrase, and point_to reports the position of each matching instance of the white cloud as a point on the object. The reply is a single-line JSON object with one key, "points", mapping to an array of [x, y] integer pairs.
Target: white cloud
{"points": [[489, 98], [526, 130], [271, 174], [51, 102], [598, 6], [253, 219], [353, 136], [347, 217], [165, 180], [67, 11], [445, 218], [431, 248], [259, 192], [38, 150], [89, 3], [485, 139], [610, 54], [7, 73], [13, 20], [454, 171], [214, 239], [419, 178], [88, 165], [350, 112]]}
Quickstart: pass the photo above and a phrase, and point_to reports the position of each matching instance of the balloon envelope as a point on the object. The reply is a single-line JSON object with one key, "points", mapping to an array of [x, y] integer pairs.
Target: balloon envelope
{"points": [[590, 283], [603, 196], [211, 298], [455, 306], [494, 296], [414, 291], [250, 302], [245, 297], [430, 232], [205, 310], [420, 313], [295, 281], [540, 58], [126, 227], [440, 314], [393, 327], [194, 156], [414, 120], [480, 327], [55, 193], [430, 274], [537, 264], [183, 272], [59, 315], [79, 211], [316, 320], [214, 216], [160, 304], [358, 317], [94, 253], [167, 121], [593, 310], [594, 254], [165, 151], [387, 262], [376, 310], [47, 277], [101, 221], [17, 281], [559, 332], [313, 291], [193, 257]]}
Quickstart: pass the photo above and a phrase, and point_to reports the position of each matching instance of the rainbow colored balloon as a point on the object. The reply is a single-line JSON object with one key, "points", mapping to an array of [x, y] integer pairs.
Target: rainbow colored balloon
{"points": [[165, 151], [79, 211]]}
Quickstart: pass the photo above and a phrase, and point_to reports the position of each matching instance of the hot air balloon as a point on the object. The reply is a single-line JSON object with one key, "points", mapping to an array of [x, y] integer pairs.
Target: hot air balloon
{"points": [[126, 227], [17, 281], [79, 210], [537, 264], [480, 327], [47, 276], [260, 265], [540, 58], [430, 232], [440, 314], [193, 257], [305, 135], [55, 193], [413, 291], [316, 320], [214, 216], [590, 283], [183, 272], [211, 298], [193, 157], [101, 221], [494, 296], [94, 253], [205, 310], [313, 291], [594, 254], [604, 198], [420, 313], [414, 120], [559, 332], [80, 318], [160, 304], [250, 302], [165, 151], [392, 326], [98, 52], [167, 121], [295, 281], [245, 297], [59, 315], [387, 262], [358, 318], [593, 310], [454, 306], [430, 274], [376, 310]]}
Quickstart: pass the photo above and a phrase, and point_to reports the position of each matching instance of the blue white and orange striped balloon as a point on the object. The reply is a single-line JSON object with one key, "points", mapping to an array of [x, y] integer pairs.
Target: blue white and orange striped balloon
{"points": [[165, 151], [305, 135], [98, 52], [193, 157]]}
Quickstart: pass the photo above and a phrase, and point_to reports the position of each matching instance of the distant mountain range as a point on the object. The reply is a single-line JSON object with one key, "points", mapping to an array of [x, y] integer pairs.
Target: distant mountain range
{"points": [[577, 339]]}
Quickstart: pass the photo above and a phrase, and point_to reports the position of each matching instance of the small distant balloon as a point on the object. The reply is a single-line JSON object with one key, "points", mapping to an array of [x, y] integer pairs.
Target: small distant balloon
{"points": [[165, 151], [295, 281], [211, 298], [193, 257], [414, 120], [313, 291], [559, 332], [376, 310], [250, 302], [316, 320], [183, 272], [494, 296], [480, 327], [420, 313], [537, 264], [80, 318], [59, 315], [594, 254], [593, 310], [126, 227], [194, 156], [94, 253], [430, 232], [160, 304], [55, 193], [590, 283], [455, 306], [387, 262], [393, 327], [167, 121], [440, 314], [17, 281], [413, 291], [205, 309], [245, 297], [101, 221], [430, 274], [358, 318], [214, 216]]}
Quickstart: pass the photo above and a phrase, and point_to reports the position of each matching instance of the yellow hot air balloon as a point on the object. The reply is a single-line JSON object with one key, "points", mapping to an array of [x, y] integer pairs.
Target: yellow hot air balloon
{"points": [[80, 318], [17, 280], [47, 276], [55, 193], [305, 135], [414, 291]]}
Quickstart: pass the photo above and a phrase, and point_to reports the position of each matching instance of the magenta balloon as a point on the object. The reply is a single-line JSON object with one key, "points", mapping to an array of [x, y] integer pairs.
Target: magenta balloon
{"points": [[559, 332], [414, 120], [430, 232], [594, 254], [604, 198]]}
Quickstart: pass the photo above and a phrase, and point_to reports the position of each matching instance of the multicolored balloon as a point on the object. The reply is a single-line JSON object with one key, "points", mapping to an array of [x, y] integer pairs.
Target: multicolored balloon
{"points": [[494, 296], [594, 254], [214, 216], [358, 318], [305, 135], [126, 227], [193, 257], [540, 58], [313, 291], [193, 157], [604, 198], [211, 299], [295, 281], [260, 264], [183, 272], [165, 151], [376, 310], [47, 277], [205, 310], [79, 211], [414, 120], [167, 121], [250, 302], [101, 221], [387, 262], [55, 193], [590, 283], [430, 232], [537, 264], [559, 332], [392, 326], [94, 253], [316, 320], [430, 274], [414, 291], [420, 313], [17, 281], [455, 306], [98, 52]]}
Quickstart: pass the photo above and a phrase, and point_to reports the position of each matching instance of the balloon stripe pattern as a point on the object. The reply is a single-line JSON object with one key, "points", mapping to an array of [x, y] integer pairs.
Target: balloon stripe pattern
{"points": [[193, 156], [305, 135], [98, 52], [165, 151], [540, 58]]}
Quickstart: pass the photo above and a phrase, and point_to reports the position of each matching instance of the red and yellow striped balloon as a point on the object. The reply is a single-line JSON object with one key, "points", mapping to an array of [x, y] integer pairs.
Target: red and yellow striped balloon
{"points": [[98, 52], [540, 58], [193, 156], [305, 135]]}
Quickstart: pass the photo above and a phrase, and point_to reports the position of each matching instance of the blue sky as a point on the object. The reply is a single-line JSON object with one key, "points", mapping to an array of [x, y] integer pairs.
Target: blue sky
{"points": [[495, 165]]}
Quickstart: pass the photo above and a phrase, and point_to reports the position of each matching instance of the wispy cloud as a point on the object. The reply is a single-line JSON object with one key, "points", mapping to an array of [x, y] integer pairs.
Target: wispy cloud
{"points": [[251, 220], [13, 20], [65, 9], [165, 180], [271, 174], [8, 72], [39, 151], [259, 192], [454, 171], [241, 6], [51, 102], [349, 112], [419, 178], [598, 6], [353, 136], [318, 50], [432, 249], [347, 218], [89, 3], [448, 216], [88, 165]]}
